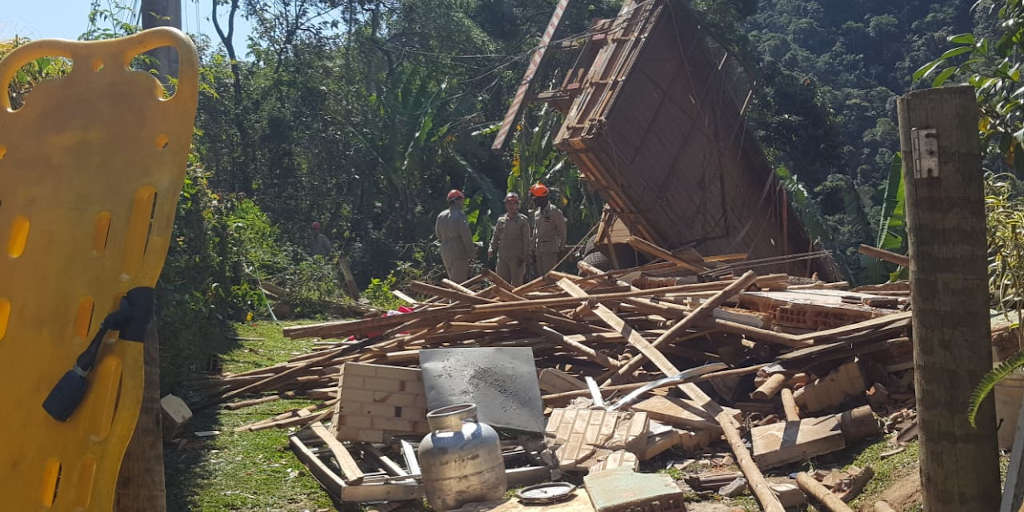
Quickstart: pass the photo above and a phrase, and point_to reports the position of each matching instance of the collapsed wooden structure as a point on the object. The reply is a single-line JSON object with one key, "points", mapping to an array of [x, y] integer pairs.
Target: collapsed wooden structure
{"points": [[654, 119], [793, 347]]}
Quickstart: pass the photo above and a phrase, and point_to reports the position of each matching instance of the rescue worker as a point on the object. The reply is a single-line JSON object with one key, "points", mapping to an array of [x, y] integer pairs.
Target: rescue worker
{"points": [[452, 230], [548, 230], [511, 241], [321, 244]]}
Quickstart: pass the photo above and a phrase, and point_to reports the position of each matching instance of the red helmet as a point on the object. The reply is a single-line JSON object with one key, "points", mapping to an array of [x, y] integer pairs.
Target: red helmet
{"points": [[316, 225], [539, 190], [512, 196], [455, 194]]}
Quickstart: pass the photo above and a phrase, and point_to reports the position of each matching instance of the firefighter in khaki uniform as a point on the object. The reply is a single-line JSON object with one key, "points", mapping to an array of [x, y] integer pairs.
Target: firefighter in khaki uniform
{"points": [[548, 230], [452, 230], [511, 241]]}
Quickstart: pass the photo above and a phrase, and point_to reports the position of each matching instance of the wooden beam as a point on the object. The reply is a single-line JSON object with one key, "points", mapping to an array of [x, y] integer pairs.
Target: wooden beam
{"points": [[690, 320], [789, 405], [633, 338], [873, 323], [821, 493], [649, 248], [329, 480], [572, 344], [140, 484], [770, 388], [362, 326], [762, 335], [629, 387], [447, 293], [755, 479], [884, 255], [349, 469]]}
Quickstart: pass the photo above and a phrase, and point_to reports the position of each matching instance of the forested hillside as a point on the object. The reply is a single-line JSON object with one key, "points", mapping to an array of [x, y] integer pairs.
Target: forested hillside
{"points": [[830, 72], [358, 116]]}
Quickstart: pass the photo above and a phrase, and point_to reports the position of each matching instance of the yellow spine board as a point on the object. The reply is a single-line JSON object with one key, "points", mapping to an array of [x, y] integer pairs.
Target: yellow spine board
{"points": [[90, 171]]}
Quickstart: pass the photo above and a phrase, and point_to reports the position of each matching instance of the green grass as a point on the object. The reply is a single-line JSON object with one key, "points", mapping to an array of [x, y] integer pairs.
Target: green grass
{"points": [[886, 471], [244, 471]]}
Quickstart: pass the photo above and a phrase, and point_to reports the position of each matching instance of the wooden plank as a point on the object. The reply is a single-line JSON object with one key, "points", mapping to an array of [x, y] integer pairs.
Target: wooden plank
{"points": [[763, 335], [447, 293], [637, 341], [677, 412], [382, 492], [770, 388], [331, 482], [873, 323], [570, 344], [629, 387], [649, 248], [531, 70], [789, 405], [405, 298], [884, 255], [821, 493], [357, 327], [140, 483], [552, 380], [829, 391], [782, 443], [769, 501], [409, 455], [690, 320], [255, 401], [263, 383], [389, 465], [349, 469], [736, 256]]}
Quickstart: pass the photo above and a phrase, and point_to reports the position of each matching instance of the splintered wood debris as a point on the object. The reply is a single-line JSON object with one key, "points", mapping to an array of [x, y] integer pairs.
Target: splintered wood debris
{"points": [[790, 347]]}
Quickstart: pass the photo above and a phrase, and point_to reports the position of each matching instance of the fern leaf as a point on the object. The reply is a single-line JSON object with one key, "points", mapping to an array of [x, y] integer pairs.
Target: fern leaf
{"points": [[989, 381]]}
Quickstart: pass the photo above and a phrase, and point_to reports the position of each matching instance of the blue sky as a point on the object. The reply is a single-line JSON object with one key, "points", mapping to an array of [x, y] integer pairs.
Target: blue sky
{"points": [[67, 19]]}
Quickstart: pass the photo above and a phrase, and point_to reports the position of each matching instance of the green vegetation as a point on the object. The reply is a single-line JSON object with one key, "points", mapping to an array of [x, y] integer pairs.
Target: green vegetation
{"points": [[243, 471], [886, 470]]}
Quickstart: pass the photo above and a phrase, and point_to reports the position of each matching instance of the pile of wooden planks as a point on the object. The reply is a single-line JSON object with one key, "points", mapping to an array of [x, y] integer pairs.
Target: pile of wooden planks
{"points": [[792, 346]]}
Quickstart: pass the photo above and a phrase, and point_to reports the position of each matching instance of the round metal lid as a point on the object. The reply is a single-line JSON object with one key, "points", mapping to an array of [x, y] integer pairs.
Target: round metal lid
{"points": [[551, 492]]}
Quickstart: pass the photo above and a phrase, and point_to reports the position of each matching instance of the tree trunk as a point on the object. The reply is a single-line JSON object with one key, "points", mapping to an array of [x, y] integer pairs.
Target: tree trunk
{"points": [[140, 486], [948, 275], [162, 13]]}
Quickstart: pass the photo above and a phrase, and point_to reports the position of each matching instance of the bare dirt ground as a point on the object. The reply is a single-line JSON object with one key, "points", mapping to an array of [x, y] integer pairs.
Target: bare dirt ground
{"points": [[903, 494]]}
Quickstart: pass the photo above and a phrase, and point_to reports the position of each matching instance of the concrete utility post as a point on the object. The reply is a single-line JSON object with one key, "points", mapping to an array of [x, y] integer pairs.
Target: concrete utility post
{"points": [[952, 347], [140, 484], [162, 13]]}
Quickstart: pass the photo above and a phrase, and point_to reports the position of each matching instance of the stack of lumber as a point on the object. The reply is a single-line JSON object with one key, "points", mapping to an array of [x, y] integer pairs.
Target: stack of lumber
{"points": [[796, 349]]}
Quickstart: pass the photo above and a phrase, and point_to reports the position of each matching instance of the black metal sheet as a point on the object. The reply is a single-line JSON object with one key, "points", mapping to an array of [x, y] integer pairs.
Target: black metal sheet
{"points": [[502, 382]]}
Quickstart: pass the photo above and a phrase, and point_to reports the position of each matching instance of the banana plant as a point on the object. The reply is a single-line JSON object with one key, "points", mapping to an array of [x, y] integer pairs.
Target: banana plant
{"points": [[892, 227], [535, 159]]}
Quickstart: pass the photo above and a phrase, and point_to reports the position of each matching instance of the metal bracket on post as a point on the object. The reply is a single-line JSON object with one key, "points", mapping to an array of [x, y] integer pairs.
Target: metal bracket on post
{"points": [[925, 147]]}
